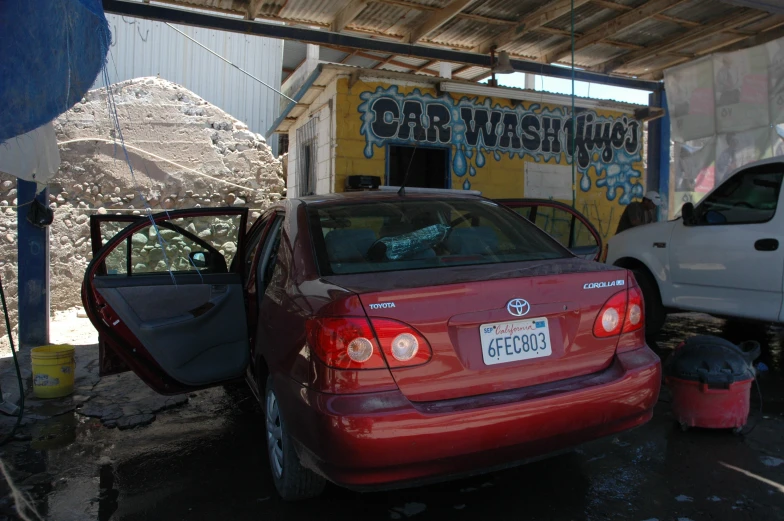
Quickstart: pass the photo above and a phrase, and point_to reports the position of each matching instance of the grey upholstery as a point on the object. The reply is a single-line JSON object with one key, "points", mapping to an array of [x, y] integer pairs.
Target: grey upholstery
{"points": [[345, 245], [480, 240], [196, 332]]}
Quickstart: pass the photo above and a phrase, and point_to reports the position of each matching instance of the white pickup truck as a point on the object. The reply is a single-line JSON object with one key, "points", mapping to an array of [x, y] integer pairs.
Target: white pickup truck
{"points": [[723, 257]]}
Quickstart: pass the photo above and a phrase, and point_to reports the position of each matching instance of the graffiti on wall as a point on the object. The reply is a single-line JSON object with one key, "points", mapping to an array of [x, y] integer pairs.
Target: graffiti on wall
{"points": [[607, 148]]}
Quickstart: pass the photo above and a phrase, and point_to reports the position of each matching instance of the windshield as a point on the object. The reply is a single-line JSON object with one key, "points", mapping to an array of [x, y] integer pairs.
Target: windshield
{"points": [[419, 233]]}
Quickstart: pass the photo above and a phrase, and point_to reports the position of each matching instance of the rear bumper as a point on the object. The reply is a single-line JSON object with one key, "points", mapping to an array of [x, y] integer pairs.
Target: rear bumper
{"points": [[382, 440]]}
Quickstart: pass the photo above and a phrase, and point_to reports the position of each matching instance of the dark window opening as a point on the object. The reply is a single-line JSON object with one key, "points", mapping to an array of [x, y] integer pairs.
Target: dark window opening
{"points": [[427, 167], [283, 144]]}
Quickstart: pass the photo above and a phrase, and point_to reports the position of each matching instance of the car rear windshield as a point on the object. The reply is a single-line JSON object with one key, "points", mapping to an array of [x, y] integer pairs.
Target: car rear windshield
{"points": [[411, 234]]}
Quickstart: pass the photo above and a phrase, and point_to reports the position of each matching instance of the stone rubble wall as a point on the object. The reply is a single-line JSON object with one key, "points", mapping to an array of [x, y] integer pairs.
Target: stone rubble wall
{"points": [[156, 117]]}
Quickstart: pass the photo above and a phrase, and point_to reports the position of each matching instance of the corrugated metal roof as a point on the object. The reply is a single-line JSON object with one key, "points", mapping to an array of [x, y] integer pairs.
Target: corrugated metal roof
{"points": [[649, 32], [700, 10], [463, 33], [586, 16], [482, 20], [513, 10]]}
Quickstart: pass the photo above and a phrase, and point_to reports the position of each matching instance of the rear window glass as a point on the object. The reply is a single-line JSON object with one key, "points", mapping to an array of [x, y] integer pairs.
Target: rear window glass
{"points": [[419, 233]]}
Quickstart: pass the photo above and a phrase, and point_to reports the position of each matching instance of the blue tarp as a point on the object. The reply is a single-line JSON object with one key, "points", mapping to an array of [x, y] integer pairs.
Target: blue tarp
{"points": [[51, 53]]}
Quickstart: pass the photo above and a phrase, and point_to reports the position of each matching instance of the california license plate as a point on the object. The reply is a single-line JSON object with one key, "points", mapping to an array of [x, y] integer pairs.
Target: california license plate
{"points": [[504, 342]]}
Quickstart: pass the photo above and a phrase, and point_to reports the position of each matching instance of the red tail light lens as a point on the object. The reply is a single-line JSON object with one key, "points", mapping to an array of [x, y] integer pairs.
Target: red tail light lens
{"points": [[345, 343], [635, 317], [611, 317], [623, 313], [403, 345]]}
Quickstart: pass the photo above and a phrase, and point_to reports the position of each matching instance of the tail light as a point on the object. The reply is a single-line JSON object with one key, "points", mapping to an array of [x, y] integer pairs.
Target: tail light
{"points": [[623, 313], [345, 343], [352, 343], [403, 346], [634, 311]]}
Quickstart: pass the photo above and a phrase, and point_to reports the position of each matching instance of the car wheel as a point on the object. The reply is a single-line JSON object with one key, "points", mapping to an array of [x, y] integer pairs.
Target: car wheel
{"points": [[293, 481], [654, 310]]}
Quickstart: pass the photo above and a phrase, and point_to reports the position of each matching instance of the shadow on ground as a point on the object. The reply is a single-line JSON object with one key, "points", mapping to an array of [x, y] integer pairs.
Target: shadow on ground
{"points": [[205, 459]]}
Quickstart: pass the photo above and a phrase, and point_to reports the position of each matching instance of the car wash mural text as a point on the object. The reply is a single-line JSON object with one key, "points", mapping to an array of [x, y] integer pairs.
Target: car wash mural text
{"points": [[503, 148]]}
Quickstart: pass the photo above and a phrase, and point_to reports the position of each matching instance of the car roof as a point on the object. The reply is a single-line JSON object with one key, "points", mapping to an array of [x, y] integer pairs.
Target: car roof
{"points": [[384, 195]]}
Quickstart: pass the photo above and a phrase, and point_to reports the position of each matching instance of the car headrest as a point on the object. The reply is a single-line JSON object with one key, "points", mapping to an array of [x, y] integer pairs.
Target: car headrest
{"points": [[349, 245], [480, 240]]}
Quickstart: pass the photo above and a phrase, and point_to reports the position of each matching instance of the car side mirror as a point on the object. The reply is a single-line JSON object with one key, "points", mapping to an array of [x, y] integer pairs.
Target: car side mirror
{"points": [[199, 259], [689, 215], [714, 217]]}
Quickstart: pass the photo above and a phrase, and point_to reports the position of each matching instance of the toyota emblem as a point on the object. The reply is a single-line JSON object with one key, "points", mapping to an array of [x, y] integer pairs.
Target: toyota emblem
{"points": [[518, 307]]}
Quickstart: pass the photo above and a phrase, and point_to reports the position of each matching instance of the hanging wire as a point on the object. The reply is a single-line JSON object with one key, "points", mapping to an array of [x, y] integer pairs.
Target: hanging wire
{"points": [[230, 63]]}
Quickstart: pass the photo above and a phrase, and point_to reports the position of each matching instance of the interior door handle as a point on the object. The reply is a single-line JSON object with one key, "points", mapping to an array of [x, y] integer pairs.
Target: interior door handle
{"points": [[766, 245]]}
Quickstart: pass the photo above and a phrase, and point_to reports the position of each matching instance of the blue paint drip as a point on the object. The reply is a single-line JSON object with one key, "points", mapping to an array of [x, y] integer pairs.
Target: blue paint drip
{"points": [[585, 181], [466, 185], [459, 164], [472, 171], [496, 155], [469, 153], [480, 159]]}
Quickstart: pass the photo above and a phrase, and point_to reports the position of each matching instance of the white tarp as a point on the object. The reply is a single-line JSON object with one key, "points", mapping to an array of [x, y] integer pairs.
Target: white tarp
{"points": [[32, 156], [726, 111]]}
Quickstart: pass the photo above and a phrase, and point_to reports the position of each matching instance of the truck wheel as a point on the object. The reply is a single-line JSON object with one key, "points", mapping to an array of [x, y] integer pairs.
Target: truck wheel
{"points": [[654, 310], [293, 481]]}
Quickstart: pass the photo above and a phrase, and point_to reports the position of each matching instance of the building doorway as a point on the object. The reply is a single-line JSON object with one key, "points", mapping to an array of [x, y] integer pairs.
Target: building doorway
{"points": [[427, 167]]}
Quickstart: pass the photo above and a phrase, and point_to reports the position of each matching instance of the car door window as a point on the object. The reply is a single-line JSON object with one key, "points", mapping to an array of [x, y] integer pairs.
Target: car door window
{"points": [[524, 211], [748, 197], [563, 223], [269, 257], [556, 222], [205, 244], [256, 234]]}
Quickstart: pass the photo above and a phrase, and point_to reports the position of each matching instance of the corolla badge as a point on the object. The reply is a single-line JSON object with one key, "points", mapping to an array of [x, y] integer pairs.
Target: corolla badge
{"points": [[518, 307]]}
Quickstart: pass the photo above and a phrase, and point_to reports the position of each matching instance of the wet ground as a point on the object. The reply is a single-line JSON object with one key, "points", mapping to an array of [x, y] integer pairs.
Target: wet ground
{"points": [[206, 459]]}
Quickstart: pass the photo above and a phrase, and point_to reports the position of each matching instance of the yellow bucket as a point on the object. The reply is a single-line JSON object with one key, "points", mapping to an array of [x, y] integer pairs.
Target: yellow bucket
{"points": [[53, 371]]}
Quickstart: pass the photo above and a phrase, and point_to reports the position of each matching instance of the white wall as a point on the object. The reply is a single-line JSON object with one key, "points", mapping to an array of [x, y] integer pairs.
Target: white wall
{"points": [[146, 48], [322, 108]]}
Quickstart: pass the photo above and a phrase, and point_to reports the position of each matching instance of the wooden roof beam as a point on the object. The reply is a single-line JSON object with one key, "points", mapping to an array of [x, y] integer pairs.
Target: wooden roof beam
{"points": [[425, 65], [731, 21], [436, 19], [347, 14], [611, 27], [544, 15]]}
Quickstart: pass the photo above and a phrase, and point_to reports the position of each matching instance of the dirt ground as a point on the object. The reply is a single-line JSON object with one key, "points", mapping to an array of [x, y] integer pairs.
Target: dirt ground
{"points": [[206, 459]]}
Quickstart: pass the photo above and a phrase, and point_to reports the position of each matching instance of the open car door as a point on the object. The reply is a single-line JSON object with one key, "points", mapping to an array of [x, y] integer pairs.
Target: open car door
{"points": [[565, 224], [167, 298]]}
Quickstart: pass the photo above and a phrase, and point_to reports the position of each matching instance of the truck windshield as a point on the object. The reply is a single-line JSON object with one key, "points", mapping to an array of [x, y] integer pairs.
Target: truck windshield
{"points": [[373, 236]]}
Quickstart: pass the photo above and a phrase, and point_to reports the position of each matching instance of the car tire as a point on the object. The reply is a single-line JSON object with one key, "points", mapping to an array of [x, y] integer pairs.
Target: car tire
{"points": [[293, 481], [655, 314]]}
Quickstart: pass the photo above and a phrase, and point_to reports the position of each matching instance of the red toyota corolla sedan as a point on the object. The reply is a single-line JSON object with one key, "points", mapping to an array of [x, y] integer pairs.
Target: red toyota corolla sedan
{"points": [[390, 339]]}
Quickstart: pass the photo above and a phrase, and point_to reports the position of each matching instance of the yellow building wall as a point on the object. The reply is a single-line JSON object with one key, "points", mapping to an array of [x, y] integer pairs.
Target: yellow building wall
{"points": [[611, 187]]}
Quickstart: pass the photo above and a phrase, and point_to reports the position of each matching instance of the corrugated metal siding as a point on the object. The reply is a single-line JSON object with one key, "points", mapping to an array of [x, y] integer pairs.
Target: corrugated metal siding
{"points": [[145, 48]]}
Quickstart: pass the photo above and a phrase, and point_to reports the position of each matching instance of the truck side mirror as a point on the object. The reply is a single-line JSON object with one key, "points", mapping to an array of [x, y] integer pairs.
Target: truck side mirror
{"points": [[689, 217]]}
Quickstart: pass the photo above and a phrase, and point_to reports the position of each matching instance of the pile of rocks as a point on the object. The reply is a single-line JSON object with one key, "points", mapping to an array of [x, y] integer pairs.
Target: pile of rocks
{"points": [[180, 152]]}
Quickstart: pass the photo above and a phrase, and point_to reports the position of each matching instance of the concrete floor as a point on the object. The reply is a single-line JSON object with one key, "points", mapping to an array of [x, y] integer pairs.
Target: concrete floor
{"points": [[206, 460]]}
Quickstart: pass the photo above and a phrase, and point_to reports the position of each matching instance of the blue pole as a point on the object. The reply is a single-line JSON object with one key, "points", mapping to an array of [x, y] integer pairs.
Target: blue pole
{"points": [[33, 275], [658, 167], [664, 158]]}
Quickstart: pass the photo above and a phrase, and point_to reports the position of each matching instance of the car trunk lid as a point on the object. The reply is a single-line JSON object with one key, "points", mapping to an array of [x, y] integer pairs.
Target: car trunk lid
{"points": [[567, 293]]}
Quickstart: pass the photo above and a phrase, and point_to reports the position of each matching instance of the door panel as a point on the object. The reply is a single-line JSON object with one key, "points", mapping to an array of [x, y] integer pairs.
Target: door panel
{"points": [[189, 329], [163, 301], [714, 262], [562, 222]]}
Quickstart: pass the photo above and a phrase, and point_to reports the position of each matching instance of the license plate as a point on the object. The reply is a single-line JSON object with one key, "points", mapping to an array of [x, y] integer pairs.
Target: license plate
{"points": [[504, 342]]}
